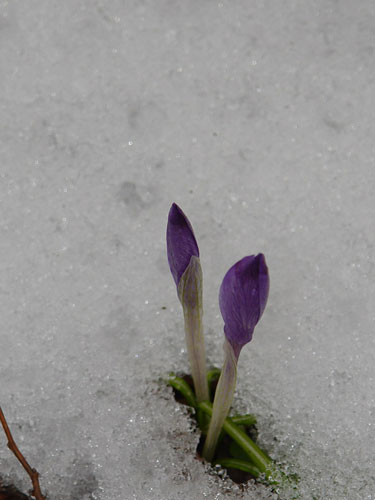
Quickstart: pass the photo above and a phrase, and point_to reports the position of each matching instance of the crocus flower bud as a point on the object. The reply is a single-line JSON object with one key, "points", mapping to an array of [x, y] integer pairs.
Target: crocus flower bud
{"points": [[242, 298], [181, 242], [184, 263]]}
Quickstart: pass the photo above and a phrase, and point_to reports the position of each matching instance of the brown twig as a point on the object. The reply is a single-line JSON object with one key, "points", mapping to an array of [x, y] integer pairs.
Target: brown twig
{"points": [[33, 473]]}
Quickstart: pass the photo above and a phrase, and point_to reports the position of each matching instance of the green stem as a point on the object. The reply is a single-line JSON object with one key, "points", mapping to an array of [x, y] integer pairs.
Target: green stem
{"points": [[212, 376], [260, 459], [235, 463], [185, 390]]}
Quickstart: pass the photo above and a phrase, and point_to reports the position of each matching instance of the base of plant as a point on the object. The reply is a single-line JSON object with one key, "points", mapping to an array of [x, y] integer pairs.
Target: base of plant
{"points": [[237, 451]]}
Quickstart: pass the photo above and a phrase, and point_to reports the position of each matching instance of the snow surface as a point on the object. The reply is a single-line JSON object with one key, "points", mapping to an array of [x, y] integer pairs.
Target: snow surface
{"points": [[257, 118]]}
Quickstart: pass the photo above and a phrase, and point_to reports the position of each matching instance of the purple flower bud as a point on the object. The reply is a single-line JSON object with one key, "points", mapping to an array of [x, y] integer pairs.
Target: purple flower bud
{"points": [[183, 258], [181, 242], [242, 298]]}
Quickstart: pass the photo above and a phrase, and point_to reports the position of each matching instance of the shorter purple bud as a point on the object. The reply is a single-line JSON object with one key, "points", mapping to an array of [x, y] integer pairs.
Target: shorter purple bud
{"points": [[242, 298]]}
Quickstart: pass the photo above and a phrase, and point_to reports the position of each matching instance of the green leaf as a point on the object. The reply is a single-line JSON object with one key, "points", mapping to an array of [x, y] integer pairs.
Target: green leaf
{"points": [[184, 388], [234, 463], [257, 456], [246, 420]]}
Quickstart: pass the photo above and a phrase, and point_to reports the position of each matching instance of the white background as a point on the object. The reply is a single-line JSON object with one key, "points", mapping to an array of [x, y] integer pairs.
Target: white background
{"points": [[257, 118]]}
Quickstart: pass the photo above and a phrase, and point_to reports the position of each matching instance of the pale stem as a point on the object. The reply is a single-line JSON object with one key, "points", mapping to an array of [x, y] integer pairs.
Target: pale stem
{"points": [[222, 402], [196, 352], [190, 294]]}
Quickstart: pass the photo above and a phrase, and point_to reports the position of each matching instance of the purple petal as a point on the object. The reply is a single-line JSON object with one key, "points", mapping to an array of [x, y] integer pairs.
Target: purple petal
{"points": [[181, 242], [243, 297]]}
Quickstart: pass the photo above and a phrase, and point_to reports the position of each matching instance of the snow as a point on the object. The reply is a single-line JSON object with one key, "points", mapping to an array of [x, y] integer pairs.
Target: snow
{"points": [[257, 119]]}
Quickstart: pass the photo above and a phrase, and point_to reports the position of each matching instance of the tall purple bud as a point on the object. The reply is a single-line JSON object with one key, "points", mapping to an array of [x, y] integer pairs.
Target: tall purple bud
{"points": [[242, 298], [184, 263]]}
